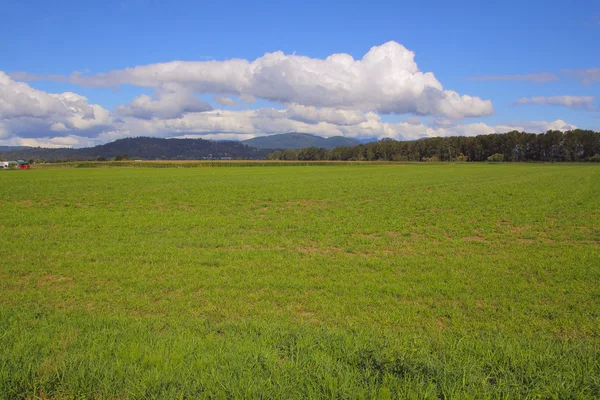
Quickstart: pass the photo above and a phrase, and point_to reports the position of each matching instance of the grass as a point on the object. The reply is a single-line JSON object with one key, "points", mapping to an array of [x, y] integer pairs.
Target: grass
{"points": [[371, 281], [200, 164]]}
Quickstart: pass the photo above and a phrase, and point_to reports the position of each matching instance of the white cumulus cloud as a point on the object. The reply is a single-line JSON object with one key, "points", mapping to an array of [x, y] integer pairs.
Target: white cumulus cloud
{"points": [[27, 111], [313, 115], [333, 96], [170, 100], [35, 118], [51, 142], [386, 80]]}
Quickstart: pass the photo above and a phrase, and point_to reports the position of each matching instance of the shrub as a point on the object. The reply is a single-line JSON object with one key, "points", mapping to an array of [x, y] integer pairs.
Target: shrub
{"points": [[498, 157], [461, 158], [594, 158]]}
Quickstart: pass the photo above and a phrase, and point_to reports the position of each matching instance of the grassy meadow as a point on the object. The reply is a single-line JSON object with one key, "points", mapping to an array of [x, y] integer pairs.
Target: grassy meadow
{"points": [[464, 281]]}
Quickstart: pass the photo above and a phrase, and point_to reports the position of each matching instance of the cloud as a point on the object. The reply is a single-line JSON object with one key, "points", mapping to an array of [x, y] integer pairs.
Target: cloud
{"points": [[535, 126], [386, 80], [224, 101], [585, 76], [313, 115], [27, 111], [170, 100], [413, 120], [4, 132], [542, 77], [245, 124], [565, 101], [248, 123], [51, 142], [441, 122], [25, 76], [19, 100], [246, 98], [477, 128], [36, 118]]}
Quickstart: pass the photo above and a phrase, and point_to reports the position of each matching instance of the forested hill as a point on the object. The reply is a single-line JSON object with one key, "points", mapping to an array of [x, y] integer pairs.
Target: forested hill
{"points": [[576, 145], [297, 140], [144, 148]]}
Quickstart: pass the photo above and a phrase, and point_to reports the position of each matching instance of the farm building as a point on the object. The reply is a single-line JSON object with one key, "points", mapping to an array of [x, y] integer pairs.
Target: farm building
{"points": [[19, 164], [22, 164]]}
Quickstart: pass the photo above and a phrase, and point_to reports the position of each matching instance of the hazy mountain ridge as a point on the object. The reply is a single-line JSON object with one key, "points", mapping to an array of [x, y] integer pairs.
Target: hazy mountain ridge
{"points": [[144, 148], [295, 140], [178, 149]]}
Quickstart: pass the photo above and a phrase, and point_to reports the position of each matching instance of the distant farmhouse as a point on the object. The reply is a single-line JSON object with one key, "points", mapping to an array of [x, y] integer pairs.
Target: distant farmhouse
{"points": [[19, 164]]}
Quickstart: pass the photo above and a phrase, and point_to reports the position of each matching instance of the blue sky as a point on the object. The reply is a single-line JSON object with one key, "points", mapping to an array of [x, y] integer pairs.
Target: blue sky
{"points": [[496, 42]]}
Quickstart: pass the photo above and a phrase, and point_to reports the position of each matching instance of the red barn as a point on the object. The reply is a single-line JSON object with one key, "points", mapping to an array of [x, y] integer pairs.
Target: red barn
{"points": [[22, 164]]}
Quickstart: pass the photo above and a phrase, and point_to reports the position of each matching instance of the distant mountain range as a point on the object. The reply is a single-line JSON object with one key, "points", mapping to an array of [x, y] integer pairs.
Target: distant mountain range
{"points": [[144, 148], [297, 140], [178, 149]]}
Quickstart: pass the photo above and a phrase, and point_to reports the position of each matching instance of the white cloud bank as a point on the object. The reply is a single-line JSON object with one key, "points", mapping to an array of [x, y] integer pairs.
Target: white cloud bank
{"points": [[240, 125], [328, 97], [386, 80], [26, 111], [250, 123]]}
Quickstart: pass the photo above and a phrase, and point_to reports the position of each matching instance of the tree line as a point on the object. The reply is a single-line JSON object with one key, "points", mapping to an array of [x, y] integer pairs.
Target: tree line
{"points": [[575, 145]]}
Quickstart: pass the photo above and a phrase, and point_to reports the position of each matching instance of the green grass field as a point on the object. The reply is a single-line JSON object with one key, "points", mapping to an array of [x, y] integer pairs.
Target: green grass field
{"points": [[353, 281]]}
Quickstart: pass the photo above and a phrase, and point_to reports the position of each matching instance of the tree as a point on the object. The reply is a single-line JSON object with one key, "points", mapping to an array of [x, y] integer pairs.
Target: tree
{"points": [[461, 158], [312, 154], [276, 155]]}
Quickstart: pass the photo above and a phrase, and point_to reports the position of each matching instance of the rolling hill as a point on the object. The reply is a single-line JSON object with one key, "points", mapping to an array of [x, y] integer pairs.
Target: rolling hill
{"points": [[297, 140], [144, 148], [178, 149]]}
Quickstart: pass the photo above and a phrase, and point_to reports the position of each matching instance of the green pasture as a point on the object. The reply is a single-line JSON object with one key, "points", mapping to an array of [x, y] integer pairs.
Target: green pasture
{"points": [[462, 281]]}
